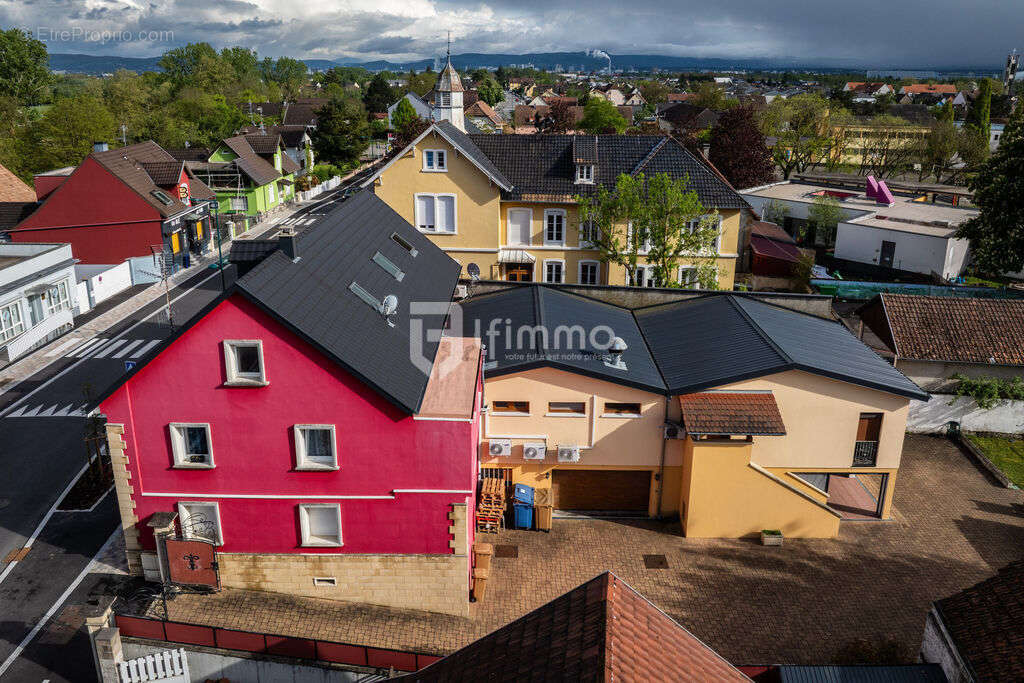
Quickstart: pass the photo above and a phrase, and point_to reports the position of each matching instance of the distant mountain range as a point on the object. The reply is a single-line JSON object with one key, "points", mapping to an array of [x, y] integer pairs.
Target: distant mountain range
{"points": [[100, 64]]}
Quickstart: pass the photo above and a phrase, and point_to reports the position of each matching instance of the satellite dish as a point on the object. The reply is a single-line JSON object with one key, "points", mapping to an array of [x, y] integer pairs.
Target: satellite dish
{"points": [[390, 305], [473, 270]]}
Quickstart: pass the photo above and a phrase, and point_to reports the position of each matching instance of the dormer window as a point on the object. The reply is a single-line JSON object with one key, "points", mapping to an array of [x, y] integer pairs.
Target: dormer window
{"points": [[585, 173]]}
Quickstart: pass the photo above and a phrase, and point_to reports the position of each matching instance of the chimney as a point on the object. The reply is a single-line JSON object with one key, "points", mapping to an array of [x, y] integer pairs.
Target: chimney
{"points": [[99, 147], [286, 243]]}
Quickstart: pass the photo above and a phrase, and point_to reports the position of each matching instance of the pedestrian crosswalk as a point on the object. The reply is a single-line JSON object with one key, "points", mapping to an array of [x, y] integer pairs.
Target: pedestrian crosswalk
{"points": [[103, 347], [297, 221]]}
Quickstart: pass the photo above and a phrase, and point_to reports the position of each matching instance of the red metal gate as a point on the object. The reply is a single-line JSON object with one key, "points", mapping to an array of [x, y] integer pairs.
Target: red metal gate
{"points": [[192, 563]]}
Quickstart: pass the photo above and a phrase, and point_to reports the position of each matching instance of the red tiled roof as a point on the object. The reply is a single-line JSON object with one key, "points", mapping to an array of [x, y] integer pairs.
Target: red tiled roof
{"points": [[12, 189], [779, 250], [950, 329], [602, 630], [918, 88], [742, 413], [771, 231], [986, 621]]}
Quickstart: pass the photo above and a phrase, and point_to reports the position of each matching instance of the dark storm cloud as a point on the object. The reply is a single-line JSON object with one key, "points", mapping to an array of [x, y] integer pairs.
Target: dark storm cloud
{"points": [[864, 33]]}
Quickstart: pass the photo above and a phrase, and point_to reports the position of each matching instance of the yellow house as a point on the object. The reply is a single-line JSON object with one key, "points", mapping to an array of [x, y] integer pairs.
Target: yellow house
{"points": [[507, 202], [734, 414]]}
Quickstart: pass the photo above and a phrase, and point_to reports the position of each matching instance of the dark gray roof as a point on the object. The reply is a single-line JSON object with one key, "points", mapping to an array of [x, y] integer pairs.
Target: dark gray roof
{"points": [[544, 165], [718, 339], [558, 312], [12, 213], [676, 348], [312, 294], [867, 673], [250, 251], [584, 149], [469, 147]]}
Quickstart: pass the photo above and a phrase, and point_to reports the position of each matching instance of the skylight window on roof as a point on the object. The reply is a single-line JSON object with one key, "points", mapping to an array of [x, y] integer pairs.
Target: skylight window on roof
{"points": [[368, 298], [404, 243], [386, 263], [162, 197]]}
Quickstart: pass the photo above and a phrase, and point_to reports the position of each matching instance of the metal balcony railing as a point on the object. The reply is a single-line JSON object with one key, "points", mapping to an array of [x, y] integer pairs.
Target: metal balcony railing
{"points": [[865, 453]]}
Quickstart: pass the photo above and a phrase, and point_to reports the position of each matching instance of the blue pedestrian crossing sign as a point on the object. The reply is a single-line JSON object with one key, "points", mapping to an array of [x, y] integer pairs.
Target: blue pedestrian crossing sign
{"points": [[129, 365]]}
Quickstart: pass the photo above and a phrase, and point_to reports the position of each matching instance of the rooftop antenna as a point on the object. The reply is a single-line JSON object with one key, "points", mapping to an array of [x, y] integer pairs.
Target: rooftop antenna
{"points": [[448, 53]]}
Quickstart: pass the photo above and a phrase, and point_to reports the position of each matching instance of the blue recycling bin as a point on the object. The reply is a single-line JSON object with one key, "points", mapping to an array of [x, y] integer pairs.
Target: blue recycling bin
{"points": [[521, 493], [522, 515]]}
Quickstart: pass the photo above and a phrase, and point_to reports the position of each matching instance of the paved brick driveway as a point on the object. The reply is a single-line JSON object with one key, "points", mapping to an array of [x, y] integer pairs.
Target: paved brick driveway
{"points": [[802, 603]]}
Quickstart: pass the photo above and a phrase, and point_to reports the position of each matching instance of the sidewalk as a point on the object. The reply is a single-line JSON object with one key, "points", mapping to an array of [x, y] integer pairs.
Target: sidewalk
{"points": [[31, 363]]}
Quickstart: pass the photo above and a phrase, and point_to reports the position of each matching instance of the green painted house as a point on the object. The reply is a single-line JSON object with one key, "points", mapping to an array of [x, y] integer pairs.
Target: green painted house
{"points": [[251, 174]]}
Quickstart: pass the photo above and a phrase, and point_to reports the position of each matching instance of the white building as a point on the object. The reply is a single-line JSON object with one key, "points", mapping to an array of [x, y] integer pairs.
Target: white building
{"points": [[38, 296], [908, 235]]}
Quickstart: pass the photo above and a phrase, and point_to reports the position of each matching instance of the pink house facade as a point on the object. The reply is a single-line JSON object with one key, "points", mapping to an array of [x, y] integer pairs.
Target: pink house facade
{"points": [[314, 468]]}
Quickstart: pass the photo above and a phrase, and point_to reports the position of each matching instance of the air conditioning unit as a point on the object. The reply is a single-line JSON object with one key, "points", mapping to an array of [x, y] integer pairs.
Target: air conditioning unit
{"points": [[499, 448], [534, 450], [674, 431], [568, 454], [461, 291]]}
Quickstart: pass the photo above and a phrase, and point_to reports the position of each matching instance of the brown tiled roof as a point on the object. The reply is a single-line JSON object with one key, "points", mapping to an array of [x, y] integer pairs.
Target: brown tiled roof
{"points": [[257, 169], [602, 630], [918, 88], [956, 330], [197, 189], [986, 621], [301, 114], [127, 164], [163, 173], [481, 108], [12, 189], [288, 165], [239, 144], [264, 143], [743, 413], [191, 154]]}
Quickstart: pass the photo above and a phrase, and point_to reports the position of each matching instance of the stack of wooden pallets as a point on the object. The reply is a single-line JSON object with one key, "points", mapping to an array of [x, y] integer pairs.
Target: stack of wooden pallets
{"points": [[490, 510]]}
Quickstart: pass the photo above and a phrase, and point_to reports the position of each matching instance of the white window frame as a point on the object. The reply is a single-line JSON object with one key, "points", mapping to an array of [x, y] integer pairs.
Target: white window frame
{"points": [[694, 224], [435, 196], [644, 248], [687, 283], [582, 230], [584, 174], [306, 540], [302, 461], [238, 203], [240, 379], [16, 326], [643, 279], [181, 460], [554, 212], [184, 517], [57, 293], [561, 263], [508, 226], [434, 155], [597, 271]]}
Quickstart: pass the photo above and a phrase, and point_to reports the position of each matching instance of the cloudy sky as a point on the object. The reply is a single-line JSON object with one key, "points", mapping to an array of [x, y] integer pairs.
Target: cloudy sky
{"points": [[861, 32]]}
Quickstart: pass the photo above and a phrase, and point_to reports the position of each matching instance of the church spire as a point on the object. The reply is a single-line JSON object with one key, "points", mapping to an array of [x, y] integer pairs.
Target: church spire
{"points": [[448, 93]]}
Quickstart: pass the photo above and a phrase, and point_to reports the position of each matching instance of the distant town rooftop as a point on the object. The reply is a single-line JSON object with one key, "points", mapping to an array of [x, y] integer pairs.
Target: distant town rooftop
{"points": [[907, 214]]}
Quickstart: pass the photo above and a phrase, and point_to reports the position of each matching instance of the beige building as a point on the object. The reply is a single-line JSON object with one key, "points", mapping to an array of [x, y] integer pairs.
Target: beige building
{"points": [[734, 414], [507, 203]]}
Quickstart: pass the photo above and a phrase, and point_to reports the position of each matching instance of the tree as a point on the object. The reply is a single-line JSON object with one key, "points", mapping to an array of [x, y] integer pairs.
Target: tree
{"points": [[738, 149], [888, 149], [24, 66], [801, 128], [654, 92], [775, 212], [66, 132], [501, 75], [710, 95], [980, 112], [939, 151], [378, 96], [824, 215], [342, 132], [996, 234], [489, 91], [422, 83], [181, 64], [658, 218], [403, 115], [290, 74], [561, 118], [601, 116]]}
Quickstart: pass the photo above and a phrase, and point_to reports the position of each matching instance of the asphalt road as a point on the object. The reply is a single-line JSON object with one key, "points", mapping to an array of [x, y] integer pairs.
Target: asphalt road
{"points": [[42, 451]]}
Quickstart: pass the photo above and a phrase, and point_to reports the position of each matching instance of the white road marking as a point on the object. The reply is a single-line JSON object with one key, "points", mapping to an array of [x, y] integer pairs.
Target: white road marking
{"points": [[108, 348], [71, 367], [88, 346], [62, 347], [126, 350], [145, 349], [46, 518], [53, 610]]}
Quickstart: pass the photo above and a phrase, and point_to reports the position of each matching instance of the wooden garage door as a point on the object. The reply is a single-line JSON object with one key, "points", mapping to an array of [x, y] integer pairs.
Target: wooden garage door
{"points": [[601, 490]]}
